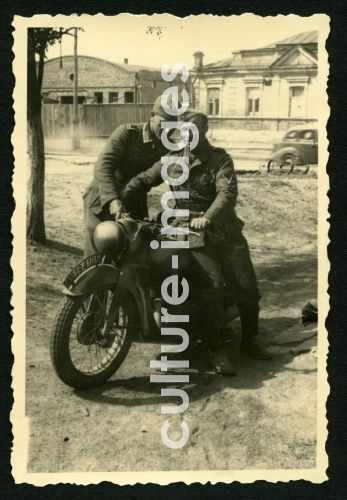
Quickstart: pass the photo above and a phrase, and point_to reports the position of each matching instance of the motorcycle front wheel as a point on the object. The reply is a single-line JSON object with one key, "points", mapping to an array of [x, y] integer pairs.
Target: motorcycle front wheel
{"points": [[82, 355]]}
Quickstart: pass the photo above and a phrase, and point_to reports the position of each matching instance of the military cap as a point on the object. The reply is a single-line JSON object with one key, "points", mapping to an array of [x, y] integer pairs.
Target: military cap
{"points": [[158, 109], [192, 115]]}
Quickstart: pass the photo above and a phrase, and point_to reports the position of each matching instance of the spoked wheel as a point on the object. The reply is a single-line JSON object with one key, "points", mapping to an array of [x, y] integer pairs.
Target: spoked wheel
{"points": [[82, 353]]}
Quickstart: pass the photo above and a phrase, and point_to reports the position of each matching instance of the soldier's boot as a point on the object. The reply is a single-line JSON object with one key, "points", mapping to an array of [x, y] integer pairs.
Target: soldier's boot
{"points": [[220, 362], [251, 343], [254, 348]]}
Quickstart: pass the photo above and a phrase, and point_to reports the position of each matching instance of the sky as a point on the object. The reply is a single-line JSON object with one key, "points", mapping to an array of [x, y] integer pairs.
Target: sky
{"points": [[128, 36]]}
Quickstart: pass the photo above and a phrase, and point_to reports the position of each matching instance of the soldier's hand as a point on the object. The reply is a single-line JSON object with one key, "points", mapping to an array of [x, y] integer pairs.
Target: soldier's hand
{"points": [[116, 208], [199, 223]]}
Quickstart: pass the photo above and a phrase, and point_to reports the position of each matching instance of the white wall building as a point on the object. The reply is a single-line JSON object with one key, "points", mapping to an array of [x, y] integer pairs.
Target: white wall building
{"points": [[273, 87]]}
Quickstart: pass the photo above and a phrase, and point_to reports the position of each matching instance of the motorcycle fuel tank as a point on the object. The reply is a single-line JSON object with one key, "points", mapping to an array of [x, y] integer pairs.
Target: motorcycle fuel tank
{"points": [[160, 263]]}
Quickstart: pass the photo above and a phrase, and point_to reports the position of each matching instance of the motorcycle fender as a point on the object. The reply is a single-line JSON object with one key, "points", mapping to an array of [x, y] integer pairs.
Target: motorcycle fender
{"points": [[131, 281], [92, 279]]}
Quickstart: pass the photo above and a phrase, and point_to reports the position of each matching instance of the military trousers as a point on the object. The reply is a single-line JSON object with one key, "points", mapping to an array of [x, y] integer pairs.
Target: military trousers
{"points": [[91, 220], [241, 282], [205, 275]]}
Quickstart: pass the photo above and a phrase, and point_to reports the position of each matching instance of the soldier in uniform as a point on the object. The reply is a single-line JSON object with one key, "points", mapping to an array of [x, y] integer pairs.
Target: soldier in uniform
{"points": [[233, 251], [225, 258], [129, 150]]}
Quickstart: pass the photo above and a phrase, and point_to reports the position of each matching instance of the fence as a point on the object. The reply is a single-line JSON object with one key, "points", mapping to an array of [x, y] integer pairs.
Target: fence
{"points": [[57, 118], [252, 123], [96, 120], [99, 120]]}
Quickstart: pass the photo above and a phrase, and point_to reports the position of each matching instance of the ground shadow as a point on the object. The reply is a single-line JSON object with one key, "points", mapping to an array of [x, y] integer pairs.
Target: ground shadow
{"points": [[288, 283], [138, 390], [63, 247], [42, 290], [283, 284]]}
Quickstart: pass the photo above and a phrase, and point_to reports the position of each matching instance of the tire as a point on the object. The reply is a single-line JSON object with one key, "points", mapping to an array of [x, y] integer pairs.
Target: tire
{"points": [[288, 160], [110, 352], [270, 165], [306, 170]]}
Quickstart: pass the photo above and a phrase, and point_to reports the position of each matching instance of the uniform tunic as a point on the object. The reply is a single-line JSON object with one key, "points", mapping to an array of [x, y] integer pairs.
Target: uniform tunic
{"points": [[212, 187], [129, 150]]}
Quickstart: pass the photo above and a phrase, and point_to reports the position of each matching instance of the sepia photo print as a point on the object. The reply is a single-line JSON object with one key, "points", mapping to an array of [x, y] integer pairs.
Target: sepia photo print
{"points": [[170, 248]]}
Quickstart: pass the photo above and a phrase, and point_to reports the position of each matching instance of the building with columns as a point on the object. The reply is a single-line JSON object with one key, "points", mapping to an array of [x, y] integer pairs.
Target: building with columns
{"points": [[272, 87]]}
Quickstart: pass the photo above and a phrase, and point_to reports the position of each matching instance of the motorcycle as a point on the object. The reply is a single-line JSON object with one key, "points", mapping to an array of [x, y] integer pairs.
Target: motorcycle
{"points": [[112, 298]]}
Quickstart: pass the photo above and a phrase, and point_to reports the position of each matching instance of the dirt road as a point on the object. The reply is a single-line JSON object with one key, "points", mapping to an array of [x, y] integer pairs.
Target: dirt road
{"points": [[262, 418]]}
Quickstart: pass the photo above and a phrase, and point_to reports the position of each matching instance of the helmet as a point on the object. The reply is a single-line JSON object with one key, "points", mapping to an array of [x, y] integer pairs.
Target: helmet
{"points": [[110, 238]]}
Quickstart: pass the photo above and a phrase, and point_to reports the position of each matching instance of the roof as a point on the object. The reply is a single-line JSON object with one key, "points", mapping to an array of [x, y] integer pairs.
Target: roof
{"points": [[264, 57], [258, 62], [301, 38], [298, 55], [94, 73], [131, 68], [145, 74]]}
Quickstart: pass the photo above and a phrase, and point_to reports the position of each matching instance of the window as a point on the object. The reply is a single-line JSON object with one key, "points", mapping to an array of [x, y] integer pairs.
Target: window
{"points": [[68, 99], [292, 135], [128, 97], [297, 102], [307, 135], [213, 97], [253, 101], [99, 98], [113, 97]]}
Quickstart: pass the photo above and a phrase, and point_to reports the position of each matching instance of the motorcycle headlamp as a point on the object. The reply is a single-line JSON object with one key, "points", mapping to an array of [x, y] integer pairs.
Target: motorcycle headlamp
{"points": [[110, 238]]}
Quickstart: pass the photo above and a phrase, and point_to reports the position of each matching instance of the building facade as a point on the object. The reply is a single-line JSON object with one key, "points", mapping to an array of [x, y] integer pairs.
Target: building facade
{"points": [[273, 87], [100, 82]]}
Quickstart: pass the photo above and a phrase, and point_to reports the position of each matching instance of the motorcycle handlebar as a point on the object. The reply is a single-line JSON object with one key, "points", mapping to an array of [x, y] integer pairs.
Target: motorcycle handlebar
{"points": [[154, 224]]}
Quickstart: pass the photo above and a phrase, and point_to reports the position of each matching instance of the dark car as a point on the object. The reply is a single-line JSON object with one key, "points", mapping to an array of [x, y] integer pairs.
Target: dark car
{"points": [[298, 146]]}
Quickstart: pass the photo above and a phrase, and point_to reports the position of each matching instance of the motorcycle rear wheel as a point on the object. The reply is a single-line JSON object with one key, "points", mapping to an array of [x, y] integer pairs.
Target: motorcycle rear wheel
{"points": [[81, 356]]}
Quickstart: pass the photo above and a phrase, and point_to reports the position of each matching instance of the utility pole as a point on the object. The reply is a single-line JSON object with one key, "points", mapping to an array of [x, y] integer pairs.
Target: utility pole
{"points": [[75, 118]]}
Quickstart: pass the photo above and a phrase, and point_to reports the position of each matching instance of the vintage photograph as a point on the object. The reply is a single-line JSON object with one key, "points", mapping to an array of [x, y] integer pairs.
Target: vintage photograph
{"points": [[169, 252]]}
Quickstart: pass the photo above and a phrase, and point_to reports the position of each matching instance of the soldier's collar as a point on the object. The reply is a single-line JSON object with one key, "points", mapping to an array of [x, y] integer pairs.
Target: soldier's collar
{"points": [[200, 156], [146, 133]]}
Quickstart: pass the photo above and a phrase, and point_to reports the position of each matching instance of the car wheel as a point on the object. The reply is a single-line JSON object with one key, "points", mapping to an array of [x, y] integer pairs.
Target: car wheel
{"points": [[270, 165], [288, 163]]}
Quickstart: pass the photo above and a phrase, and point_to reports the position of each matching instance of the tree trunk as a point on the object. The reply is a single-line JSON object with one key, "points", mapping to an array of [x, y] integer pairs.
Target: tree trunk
{"points": [[36, 195], [36, 199]]}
